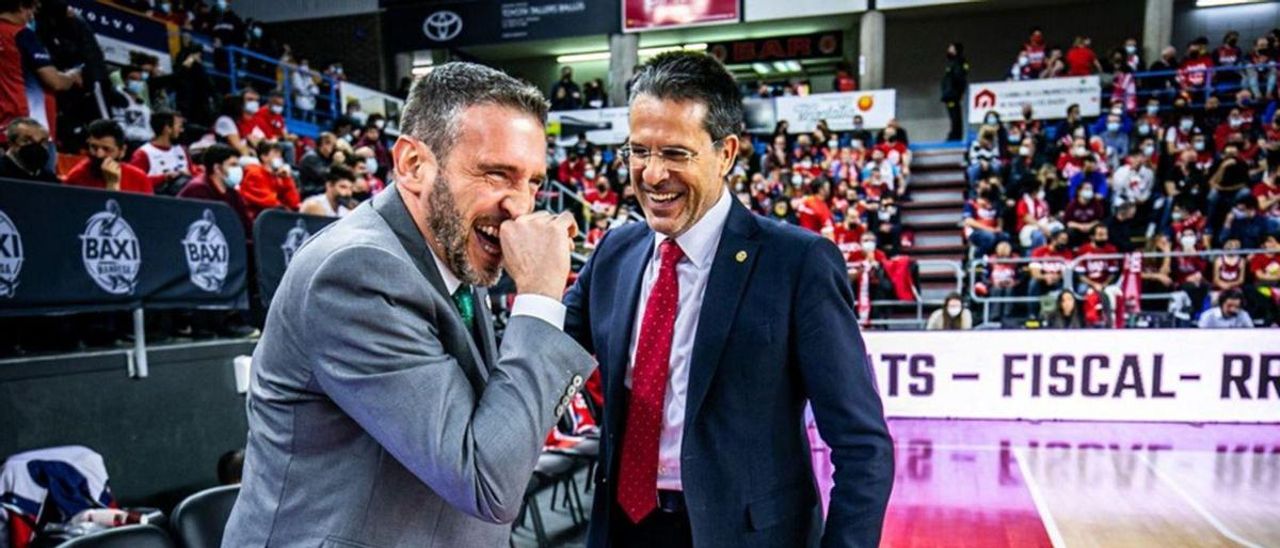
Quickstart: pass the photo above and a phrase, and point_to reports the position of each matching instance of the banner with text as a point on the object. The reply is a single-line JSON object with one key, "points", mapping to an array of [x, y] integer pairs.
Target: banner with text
{"points": [[802, 113], [767, 10], [603, 126], [642, 15], [1049, 98], [277, 235], [123, 34], [1109, 375], [70, 249], [412, 26]]}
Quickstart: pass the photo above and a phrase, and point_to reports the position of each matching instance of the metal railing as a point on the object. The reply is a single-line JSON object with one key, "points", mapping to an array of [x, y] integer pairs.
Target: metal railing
{"points": [[1070, 277], [919, 302], [328, 106]]}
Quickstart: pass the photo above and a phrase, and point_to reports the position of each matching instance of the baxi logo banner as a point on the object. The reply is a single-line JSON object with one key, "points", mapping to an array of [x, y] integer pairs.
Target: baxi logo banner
{"points": [[205, 248], [109, 248], [10, 256], [293, 240]]}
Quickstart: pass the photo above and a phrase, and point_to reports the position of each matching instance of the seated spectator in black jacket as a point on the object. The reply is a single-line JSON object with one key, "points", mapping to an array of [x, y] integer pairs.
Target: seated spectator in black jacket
{"points": [[28, 156], [315, 165]]}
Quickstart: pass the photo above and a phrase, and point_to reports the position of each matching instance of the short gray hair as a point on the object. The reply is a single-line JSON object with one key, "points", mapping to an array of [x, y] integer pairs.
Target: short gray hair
{"points": [[436, 99]]}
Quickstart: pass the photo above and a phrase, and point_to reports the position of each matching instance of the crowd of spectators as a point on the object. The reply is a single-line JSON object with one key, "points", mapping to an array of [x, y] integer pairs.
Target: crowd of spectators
{"points": [[1182, 160], [67, 117]]}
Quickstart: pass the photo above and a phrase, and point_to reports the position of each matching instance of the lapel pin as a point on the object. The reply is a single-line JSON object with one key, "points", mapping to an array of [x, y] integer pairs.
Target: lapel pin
{"points": [[741, 256]]}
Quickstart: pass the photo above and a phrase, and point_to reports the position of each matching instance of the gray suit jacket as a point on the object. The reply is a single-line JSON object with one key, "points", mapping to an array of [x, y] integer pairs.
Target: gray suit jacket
{"points": [[374, 419]]}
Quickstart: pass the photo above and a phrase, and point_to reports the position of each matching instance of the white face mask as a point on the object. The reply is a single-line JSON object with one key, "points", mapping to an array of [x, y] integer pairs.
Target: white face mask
{"points": [[1087, 194], [589, 174], [1185, 124], [380, 124], [1148, 150], [1024, 150], [251, 106], [797, 180], [234, 176], [954, 310], [1188, 241], [868, 247], [277, 163], [371, 164], [278, 109]]}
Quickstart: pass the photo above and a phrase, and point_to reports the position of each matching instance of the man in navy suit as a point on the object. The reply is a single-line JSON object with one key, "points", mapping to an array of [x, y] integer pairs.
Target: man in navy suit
{"points": [[713, 328]]}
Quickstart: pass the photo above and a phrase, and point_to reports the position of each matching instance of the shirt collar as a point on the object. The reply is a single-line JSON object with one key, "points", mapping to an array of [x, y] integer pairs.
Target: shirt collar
{"points": [[451, 281], [700, 241]]}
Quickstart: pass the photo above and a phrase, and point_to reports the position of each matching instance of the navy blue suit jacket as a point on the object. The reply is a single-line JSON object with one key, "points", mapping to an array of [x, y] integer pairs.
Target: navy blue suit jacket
{"points": [[777, 329]]}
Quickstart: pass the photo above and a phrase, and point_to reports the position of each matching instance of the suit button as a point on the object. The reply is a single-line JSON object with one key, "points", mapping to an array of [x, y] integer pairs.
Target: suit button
{"points": [[559, 410], [577, 381], [565, 401]]}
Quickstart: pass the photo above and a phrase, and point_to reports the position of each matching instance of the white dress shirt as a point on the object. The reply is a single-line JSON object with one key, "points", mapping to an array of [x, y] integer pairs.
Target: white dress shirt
{"points": [[527, 304], [699, 244]]}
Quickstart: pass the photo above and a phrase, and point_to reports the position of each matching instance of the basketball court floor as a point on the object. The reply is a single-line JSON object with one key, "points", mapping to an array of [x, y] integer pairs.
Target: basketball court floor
{"points": [[973, 483]]}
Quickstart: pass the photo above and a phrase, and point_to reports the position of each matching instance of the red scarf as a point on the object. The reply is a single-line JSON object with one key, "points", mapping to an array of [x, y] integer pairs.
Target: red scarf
{"points": [[1130, 288]]}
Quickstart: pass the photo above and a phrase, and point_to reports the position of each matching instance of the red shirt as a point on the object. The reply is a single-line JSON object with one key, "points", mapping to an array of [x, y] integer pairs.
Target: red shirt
{"points": [[857, 260], [1268, 263], [848, 240], [262, 189], [1002, 274], [132, 179], [1098, 270], [987, 216], [1194, 72], [248, 125], [814, 214], [1035, 56], [893, 152], [599, 201], [1263, 190], [1186, 267], [1037, 208], [1080, 61], [1050, 262], [1195, 222], [21, 55], [272, 124]]}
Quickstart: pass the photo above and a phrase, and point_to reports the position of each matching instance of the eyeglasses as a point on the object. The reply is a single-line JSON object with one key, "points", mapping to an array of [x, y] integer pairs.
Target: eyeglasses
{"points": [[674, 158]]}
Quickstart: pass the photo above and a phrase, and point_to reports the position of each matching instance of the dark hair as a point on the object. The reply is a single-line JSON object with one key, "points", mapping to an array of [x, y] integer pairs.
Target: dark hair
{"points": [[339, 173], [215, 155], [1230, 294], [7, 6], [266, 147], [163, 119], [438, 98], [230, 467], [99, 129], [232, 106], [1096, 228], [11, 130], [688, 75]]}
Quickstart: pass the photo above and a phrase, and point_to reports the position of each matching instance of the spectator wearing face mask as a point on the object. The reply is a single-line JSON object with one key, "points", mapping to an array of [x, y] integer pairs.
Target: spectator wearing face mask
{"points": [[1195, 71], [1229, 314], [166, 162], [337, 198], [870, 259], [1085, 212], [1227, 58], [1185, 184], [269, 183], [953, 316], [367, 183], [1066, 314], [305, 89], [1034, 225], [1089, 176], [1115, 139], [234, 116], [271, 121], [1165, 85], [27, 158], [1183, 135], [1081, 60], [222, 176], [1236, 122], [1134, 182], [104, 167], [983, 223], [371, 137], [601, 199], [984, 156], [885, 221], [1260, 77]]}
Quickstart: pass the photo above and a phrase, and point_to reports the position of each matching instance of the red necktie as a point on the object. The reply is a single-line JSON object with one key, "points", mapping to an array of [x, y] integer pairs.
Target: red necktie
{"points": [[638, 470]]}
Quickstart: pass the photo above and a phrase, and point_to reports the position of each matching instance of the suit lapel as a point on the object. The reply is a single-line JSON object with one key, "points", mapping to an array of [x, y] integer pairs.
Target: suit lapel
{"points": [[631, 266], [391, 208], [730, 270]]}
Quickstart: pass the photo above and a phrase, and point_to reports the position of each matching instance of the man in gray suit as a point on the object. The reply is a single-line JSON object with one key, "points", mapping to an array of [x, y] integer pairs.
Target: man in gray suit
{"points": [[381, 412]]}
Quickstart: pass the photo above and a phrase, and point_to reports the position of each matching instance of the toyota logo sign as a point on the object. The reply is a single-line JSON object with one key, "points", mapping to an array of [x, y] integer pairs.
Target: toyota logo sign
{"points": [[442, 26]]}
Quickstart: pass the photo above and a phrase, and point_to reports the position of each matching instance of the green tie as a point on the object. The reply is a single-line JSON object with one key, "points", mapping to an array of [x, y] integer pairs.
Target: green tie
{"points": [[466, 303]]}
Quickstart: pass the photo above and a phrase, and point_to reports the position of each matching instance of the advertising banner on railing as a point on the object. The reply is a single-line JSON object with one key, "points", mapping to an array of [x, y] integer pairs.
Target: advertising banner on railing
{"points": [[373, 101], [277, 235], [122, 34], [68, 249], [802, 113], [1160, 375], [1049, 98], [603, 126]]}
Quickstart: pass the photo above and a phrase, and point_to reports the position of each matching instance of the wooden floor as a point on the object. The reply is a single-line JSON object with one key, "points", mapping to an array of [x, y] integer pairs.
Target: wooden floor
{"points": [[1007, 483]]}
